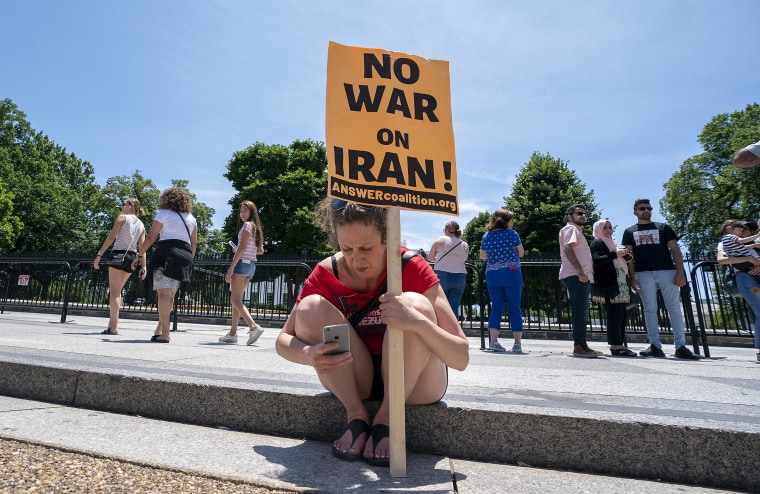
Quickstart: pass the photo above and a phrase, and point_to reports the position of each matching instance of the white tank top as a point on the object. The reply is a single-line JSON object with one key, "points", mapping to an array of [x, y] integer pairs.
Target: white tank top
{"points": [[130, 233]]}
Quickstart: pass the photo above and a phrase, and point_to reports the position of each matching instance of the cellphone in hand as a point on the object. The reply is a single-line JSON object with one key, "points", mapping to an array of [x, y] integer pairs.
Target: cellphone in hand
{"points": [[627, 257], [232, 244], [338, 333]]}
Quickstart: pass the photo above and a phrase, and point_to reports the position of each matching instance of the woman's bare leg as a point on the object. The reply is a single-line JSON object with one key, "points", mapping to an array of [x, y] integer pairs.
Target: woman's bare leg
{"points": [[116, 281], [425, 377], [165, 305], [237, 286], [349, 386]]}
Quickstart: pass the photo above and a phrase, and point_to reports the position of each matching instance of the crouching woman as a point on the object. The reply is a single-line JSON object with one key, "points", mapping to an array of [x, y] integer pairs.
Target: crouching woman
{"points": [[343, 285]]}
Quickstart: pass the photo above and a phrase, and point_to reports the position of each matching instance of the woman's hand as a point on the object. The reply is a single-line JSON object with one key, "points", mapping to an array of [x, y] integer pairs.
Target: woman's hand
{"points": [[142, 273], [636, 285], [323, 363], [96, 263], [228, 277], [398, 311]]}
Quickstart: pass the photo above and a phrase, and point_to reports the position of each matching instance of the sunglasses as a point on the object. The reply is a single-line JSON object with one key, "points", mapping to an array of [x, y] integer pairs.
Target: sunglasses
{"points": [[580, 213], [338, 204], [645, 208]]}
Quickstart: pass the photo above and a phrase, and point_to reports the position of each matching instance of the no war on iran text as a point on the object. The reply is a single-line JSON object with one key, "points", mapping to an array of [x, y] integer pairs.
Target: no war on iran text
{"points": [[389, 131]]}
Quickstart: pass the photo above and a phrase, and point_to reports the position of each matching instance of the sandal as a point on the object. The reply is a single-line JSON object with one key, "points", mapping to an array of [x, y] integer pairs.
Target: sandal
{"points": [[623, 352], [357, 428], [108, 331], [379, 432]]}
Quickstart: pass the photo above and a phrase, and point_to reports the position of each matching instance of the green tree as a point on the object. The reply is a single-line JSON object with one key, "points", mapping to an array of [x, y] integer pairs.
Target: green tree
{"points": [[10, 224], [285, 183], [52, 189], [473, 233], [544, 188], [708, 189]]}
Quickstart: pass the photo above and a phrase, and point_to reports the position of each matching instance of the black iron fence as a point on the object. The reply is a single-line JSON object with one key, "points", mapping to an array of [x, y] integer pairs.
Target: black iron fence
{"points": [[64, 283]]}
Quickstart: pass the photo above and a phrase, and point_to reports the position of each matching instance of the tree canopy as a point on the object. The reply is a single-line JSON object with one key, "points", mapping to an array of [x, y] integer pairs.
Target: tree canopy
{"points": [[49, 201], [52, 189], [544, 188], [708, 189], [285, 183]]}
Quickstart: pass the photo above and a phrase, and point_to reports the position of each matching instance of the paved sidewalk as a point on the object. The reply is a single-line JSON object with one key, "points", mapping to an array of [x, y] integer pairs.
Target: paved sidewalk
{"points": [[504, 405]]}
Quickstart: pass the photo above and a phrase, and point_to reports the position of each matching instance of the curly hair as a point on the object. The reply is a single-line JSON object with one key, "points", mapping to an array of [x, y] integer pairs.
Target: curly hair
{"points": [[333, 212], [176, 199]]}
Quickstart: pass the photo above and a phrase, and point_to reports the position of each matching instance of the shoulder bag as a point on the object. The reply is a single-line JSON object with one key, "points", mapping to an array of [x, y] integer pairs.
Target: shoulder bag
{"points": [[357, 316], [454, 247]]}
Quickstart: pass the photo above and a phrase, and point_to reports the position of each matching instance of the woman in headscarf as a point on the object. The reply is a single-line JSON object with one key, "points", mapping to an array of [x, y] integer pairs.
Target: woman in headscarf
{"points": [[610, 285]]}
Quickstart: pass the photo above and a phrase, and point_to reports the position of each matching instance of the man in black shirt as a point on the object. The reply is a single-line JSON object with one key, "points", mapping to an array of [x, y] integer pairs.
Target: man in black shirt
{"points": [[658, 263]]}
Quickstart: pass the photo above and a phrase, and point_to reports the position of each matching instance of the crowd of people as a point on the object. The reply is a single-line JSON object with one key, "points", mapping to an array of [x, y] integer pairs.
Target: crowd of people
{"points": [[349, 289]]}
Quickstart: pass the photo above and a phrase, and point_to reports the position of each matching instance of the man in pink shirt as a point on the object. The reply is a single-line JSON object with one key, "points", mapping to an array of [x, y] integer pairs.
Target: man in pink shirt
{"points": [[577, 274]]}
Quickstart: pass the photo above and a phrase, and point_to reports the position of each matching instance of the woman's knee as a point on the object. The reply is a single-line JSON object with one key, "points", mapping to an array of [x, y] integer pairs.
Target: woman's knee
{"points": [[421, 303], [315, 312]]}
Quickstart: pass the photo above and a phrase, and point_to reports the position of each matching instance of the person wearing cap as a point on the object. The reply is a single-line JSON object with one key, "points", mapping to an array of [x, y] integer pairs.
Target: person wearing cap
{"points": [[748, 156], [746, 270]]}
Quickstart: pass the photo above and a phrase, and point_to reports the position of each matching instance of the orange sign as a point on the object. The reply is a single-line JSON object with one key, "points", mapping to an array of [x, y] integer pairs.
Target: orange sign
{"points": [[390, 138]]}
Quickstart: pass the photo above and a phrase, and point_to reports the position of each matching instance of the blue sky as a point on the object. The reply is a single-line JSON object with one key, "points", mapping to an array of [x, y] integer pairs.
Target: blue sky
{"points": [[620, 90]]}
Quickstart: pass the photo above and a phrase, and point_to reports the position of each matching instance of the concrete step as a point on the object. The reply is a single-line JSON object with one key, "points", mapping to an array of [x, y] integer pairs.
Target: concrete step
{"points": [[693, 422]]}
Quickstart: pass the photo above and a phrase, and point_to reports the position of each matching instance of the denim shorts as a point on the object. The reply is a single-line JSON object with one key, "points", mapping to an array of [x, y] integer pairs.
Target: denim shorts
{"points": [[162, 281], [245, 267]]}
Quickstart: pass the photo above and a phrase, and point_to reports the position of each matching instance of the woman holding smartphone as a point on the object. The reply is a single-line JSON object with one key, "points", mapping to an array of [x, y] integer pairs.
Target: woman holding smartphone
{"points": [[348, 288], [242, 268]]}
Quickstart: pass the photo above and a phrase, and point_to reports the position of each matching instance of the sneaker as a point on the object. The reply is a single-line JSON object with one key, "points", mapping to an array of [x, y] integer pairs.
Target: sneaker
{"points": [[585, 351], [653, 351], [516, 348], [685, 353], [496, 347], [254, 335], [228, 338]]}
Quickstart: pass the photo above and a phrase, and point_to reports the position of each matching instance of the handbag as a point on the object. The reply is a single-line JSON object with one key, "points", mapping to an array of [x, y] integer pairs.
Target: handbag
{"points": [[113, 259], [624, 290], [729, 283], [635, 300]]}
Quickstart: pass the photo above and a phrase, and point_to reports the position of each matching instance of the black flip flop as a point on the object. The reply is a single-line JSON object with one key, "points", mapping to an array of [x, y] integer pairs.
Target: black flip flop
{"points": [[108, 331], [379, 432], [357, 427], [154, 337]]}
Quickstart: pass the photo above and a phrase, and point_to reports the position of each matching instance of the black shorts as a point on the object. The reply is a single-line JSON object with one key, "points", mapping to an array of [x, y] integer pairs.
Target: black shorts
{"points": [[378, 391]]}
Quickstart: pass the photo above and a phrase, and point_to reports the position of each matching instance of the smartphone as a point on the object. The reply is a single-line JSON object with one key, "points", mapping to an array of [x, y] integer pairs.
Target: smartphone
{"points": [[338, 333], [627, 257], [232, 244]]}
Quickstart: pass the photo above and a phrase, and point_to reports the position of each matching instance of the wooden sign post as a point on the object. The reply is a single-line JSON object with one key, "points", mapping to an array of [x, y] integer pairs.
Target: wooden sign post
{"points": [[390, 143]]}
